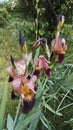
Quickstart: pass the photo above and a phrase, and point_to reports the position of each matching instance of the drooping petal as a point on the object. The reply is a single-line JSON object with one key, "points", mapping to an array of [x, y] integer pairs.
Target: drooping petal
{"points": [[47, 71], [36, 72], [28, 105], [60, 58], [41, 63]]}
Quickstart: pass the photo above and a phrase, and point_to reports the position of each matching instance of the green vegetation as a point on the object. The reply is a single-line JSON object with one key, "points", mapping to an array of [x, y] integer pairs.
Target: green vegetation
{"points": [[53, 109]]}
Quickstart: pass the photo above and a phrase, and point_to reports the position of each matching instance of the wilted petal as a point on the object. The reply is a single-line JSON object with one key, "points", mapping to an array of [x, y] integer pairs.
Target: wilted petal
{"points": [[28, 105]]}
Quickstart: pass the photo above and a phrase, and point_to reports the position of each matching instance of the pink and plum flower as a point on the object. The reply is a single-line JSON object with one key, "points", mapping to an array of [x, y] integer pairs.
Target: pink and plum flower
{"points": [[28, 105], [42, 63], [28, 94], [59, 47], [28, 89], [22, 85]]}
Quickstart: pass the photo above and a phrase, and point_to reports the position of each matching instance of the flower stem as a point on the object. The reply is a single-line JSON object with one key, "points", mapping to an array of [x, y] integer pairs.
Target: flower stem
{"points": [[17, 112]]}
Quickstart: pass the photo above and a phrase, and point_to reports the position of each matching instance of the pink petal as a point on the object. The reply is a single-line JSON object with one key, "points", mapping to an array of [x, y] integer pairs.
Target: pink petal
{"points": [[31, 83], [11, 71], [41, 62], [20, 67], [17, 85]]}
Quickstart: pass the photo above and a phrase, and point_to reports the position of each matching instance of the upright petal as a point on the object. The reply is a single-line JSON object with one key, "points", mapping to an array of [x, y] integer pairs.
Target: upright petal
{"points": [[20, 67]]}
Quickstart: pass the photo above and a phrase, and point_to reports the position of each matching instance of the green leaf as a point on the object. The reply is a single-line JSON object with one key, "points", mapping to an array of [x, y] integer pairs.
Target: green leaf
{"points": [[52, 110], [33, 124], [24, 123], [10, 124], [45, 122], [21, 118], [3, 106]]}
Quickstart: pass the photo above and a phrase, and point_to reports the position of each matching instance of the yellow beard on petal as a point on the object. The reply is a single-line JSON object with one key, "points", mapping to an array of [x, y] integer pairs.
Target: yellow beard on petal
{"points": [[27, 92]]}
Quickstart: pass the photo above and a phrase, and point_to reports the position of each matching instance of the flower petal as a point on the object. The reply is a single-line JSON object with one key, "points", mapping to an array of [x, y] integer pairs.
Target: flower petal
{"points": [[36, 72], [17, 85], [28, 105], [20, 67], [60, 58], [48, 72]]}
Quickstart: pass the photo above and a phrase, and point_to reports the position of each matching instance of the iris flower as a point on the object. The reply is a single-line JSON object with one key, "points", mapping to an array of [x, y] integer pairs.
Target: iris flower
{"points": [[28, 89], [16, 73], [42, 63], [59, 46], [22, 85], [28, 94]]}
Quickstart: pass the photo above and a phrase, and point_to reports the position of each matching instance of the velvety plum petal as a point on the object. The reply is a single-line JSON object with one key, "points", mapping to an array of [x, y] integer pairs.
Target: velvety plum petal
{"points": [[28, 105], [60, 58], [35, 88], [36, 72], [48, 72]]}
